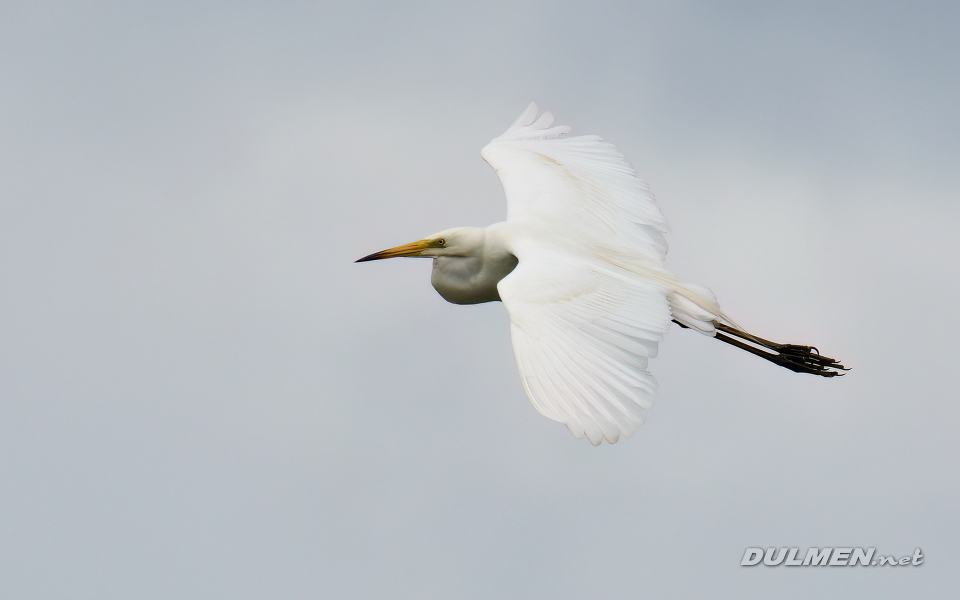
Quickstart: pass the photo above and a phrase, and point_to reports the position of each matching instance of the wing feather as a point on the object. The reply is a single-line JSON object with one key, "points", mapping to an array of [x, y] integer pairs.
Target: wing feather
{"points": [[587, 301], [555, 180], [582, 334]]}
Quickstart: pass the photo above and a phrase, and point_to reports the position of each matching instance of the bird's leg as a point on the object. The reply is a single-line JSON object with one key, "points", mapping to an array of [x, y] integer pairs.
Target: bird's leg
{"points": [[800, 359]]}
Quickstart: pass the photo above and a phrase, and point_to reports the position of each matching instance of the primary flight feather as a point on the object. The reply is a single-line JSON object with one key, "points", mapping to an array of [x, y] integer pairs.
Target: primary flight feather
{"points": [[578, 264]]}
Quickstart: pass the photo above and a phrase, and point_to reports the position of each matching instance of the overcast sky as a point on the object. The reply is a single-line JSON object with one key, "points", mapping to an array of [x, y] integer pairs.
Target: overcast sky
{"points": [[201, 396]]}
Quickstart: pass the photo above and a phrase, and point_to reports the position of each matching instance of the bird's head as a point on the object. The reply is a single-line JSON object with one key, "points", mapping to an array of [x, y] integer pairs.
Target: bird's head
{"points": [[461, 241]]}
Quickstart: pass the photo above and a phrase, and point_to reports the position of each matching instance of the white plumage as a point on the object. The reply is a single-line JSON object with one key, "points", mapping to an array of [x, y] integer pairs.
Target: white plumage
{"points": [[588, 302], [578, 265]]}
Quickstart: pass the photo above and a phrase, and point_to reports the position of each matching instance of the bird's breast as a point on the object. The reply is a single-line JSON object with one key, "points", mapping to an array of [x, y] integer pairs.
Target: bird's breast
{"points": [[470, 280]]}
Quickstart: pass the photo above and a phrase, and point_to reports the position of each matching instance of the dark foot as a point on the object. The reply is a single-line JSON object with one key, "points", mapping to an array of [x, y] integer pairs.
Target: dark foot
{"points": [[800, 359]]}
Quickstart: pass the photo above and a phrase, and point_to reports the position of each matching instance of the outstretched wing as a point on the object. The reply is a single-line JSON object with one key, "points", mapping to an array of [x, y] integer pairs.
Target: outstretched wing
{"points": [[579, 181], [586, 306], [582, 334]]}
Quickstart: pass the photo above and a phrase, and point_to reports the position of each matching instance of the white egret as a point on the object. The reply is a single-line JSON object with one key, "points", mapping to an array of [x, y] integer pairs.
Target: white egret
{"points": [[578, 265]]}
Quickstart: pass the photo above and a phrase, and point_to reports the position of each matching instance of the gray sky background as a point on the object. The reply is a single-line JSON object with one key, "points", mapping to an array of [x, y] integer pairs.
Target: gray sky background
{"points": [[201, 396]]}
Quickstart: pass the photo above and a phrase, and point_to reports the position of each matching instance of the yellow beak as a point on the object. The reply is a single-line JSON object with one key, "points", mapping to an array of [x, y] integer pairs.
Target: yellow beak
{"points": [[411, 249]]}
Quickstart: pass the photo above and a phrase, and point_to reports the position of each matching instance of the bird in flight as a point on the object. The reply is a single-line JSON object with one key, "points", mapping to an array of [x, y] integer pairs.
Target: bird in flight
{"points": [[578, 265]]}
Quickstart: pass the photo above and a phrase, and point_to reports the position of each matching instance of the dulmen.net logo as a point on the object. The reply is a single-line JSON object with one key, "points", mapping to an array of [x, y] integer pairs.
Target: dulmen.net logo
{"points": [[826, 557]]}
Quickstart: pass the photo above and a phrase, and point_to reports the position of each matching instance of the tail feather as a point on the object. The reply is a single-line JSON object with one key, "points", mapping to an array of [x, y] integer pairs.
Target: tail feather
{"points": [[695, 307]]}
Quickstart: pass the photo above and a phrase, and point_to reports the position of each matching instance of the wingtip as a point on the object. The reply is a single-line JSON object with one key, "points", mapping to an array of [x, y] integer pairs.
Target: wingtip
{"points": [[527, 116], [531, 124]]}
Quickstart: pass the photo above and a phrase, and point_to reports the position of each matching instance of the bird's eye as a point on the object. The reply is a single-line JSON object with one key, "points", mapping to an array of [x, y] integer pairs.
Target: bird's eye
{"points": [[441, 242]]}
